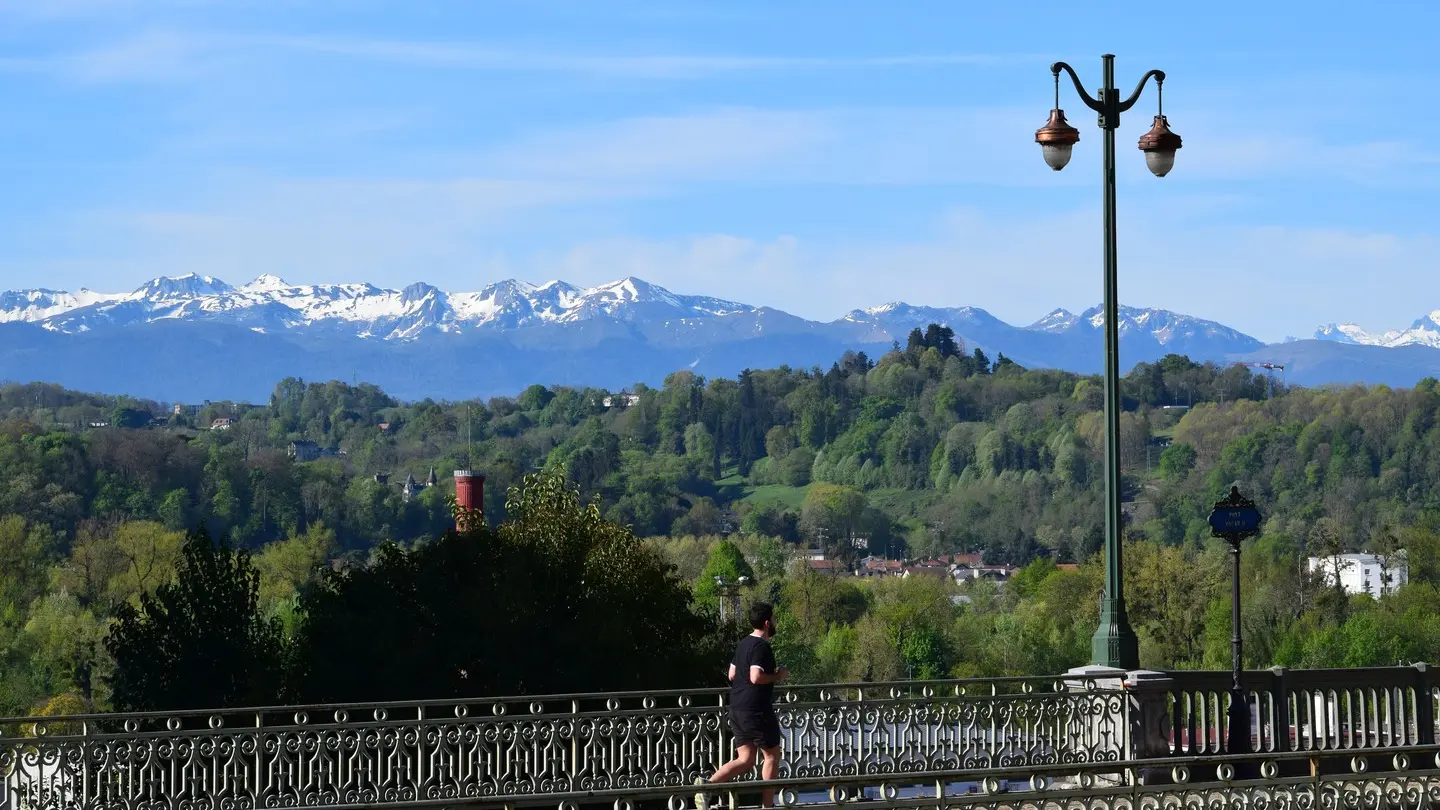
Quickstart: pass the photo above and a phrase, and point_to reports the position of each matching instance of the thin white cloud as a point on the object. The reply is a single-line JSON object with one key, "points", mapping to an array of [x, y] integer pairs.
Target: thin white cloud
{"points": [[720, 144], [182, 54], [479, 56], [151, 56]]}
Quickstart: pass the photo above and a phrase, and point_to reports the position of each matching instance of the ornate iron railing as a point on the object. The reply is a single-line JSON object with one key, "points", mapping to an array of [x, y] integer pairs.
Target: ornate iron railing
{"points": [[1308, 710], [1403, 778], [522, 750], [332, 756]]}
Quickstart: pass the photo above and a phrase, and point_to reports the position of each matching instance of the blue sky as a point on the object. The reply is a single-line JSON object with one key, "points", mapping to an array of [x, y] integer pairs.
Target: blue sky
{"points": [[811, 156]]}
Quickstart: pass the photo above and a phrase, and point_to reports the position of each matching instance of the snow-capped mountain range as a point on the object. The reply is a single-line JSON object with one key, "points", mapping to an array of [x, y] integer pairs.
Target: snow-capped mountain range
{"points": [[269, 303], [1424, 331], [197, 336]]}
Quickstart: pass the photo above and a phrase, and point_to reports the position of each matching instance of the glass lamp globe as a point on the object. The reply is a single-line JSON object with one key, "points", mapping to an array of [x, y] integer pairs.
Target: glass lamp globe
{"points": [[1057, 139], [1056, 155], [1160, 163], [1159, 145]]}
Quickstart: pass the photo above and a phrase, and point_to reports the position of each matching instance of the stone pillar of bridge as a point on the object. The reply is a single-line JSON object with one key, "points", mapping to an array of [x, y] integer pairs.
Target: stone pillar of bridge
{"points": [[1149, 695], [1144, 730]]}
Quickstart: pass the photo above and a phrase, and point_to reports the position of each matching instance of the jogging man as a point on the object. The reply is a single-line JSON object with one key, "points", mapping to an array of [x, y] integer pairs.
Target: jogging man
{"points": [[753, 723]]}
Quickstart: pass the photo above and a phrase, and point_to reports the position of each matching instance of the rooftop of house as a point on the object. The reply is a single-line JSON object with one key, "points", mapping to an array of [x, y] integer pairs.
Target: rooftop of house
{"points": [[1360, 557]]}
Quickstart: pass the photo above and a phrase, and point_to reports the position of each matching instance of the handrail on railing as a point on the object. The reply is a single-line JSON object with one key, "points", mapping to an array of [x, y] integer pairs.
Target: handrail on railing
{"points": [[959, 687]]}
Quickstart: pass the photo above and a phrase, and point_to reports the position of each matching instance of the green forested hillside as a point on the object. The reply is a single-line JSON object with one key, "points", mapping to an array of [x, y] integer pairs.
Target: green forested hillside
{"points": [[932, 449]]}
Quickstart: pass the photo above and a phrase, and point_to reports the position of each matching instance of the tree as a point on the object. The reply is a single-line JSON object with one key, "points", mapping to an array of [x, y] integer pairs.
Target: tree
{"points": [[535, 398], [698, 442], [982, 363], [554, 599], [1177, 461], [796, 467], [25, 550], [286, 567], [779, 441], [199, 642], [703, 517], [148, 555], [726, 561], [941, 339], [835, 510], [66, 640], [174, 510]]}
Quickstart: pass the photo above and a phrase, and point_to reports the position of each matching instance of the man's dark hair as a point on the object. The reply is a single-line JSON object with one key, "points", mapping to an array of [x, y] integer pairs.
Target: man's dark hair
{"points": [[761, 612]]}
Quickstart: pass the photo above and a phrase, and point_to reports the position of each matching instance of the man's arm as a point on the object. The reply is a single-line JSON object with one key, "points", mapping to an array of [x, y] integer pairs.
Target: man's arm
{"points": [[760, 676], [731, 676], [764, 671]]}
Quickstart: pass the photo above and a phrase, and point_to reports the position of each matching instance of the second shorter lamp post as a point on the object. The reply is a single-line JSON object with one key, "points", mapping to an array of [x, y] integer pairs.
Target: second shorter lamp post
{"points": [[730, 592], [1234, 519]]}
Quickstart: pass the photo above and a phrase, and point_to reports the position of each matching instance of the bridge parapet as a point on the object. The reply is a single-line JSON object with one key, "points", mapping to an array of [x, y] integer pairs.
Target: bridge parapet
{"points": [[1398, 779], [533, 747], [1308, 710], [323, 756]]}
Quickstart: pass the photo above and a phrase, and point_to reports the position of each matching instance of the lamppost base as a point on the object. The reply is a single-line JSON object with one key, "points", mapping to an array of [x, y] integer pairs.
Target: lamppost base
{"points": [[1238, 741], [1114, 643]]}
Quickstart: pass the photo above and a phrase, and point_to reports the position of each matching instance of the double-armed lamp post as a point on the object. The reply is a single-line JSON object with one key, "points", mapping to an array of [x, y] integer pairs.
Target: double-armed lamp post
{"points": [[1114, 644], [730, 593]]}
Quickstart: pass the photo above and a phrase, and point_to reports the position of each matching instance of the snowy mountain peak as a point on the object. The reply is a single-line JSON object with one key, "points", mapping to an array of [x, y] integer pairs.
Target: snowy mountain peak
{"points": [[881, 309], [266, 282], [1345, 333], [419, 291], [632, 290], [1056, 321], [190, 285], [1425, 331], [1163, 326], [903, 311]]}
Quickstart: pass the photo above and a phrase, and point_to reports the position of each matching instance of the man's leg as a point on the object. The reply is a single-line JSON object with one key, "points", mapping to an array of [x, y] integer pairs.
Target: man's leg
{"points": [[769, 770], [744, 760]]}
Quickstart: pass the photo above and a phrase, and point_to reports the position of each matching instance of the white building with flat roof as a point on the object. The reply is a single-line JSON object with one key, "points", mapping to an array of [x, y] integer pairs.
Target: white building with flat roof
{"points": [[1363, 573]]}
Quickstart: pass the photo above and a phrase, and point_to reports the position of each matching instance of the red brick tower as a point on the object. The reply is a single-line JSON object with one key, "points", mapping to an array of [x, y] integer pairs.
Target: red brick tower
{"points": [[469, 496]]}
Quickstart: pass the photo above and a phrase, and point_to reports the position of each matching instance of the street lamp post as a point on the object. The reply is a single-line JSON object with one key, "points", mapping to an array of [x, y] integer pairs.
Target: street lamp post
{"points": [[1234, 519], [730, 592], [1114, 643]]}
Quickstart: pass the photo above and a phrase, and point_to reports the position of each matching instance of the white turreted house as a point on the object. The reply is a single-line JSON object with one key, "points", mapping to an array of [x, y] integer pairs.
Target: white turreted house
{"points": [[1363, 573]]}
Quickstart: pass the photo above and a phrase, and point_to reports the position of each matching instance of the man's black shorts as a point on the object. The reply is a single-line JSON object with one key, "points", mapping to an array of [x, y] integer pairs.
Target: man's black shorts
{"points": [[756, 728]]}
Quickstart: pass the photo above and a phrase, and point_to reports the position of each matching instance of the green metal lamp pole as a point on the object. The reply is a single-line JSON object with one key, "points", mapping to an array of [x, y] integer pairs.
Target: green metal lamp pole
{"points": [[1114, 643]]}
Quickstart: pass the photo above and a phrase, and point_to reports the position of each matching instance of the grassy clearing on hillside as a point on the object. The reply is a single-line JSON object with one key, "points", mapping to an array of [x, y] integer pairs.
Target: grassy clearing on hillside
{"points": [[899, 502], [791, 498], [902, 502]]}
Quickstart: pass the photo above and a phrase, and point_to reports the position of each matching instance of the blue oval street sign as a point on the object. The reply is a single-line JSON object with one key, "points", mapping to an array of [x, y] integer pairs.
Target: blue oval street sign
{"points": [[1235, 520]]}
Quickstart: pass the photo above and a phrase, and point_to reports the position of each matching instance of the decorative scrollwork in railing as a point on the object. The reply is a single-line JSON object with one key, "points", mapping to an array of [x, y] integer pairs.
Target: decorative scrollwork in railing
{"points": [[551, 745], [1295, 781]]}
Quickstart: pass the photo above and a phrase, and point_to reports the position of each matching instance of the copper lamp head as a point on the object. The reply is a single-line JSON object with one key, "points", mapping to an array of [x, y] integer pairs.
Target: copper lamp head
{"points": [[1056, 139], [1159, 145]]}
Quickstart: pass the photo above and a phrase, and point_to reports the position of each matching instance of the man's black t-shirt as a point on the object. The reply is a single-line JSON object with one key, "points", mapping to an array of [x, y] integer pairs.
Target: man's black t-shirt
{"points": [[745, 696]]}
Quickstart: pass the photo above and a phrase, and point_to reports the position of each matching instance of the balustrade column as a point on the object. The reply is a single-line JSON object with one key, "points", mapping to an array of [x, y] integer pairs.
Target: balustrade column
{"points": [[1424, 705], [1148, 694]]}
